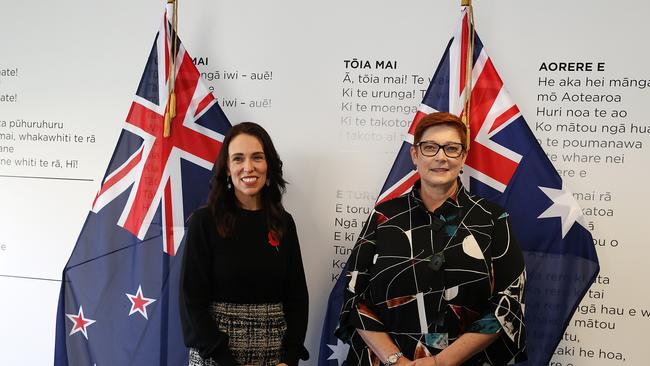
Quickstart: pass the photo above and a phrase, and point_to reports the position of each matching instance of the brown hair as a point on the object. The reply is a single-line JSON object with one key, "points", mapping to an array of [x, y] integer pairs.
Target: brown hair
{"points": [[222, 201], [438, 118]]}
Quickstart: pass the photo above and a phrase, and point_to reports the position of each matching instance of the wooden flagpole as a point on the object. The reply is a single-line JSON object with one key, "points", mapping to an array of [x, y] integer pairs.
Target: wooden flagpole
{"points": [[171, 93], [469, 66]]}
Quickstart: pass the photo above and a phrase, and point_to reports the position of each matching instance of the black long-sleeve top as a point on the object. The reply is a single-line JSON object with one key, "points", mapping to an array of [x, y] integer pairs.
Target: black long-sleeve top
{"points": [[244, 268]]}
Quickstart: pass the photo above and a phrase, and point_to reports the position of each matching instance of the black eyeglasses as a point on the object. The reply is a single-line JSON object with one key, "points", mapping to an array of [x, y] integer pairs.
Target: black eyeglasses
{"points": [[430, 148]]}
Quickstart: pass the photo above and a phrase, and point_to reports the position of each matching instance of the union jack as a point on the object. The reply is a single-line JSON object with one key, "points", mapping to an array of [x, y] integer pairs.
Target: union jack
{"points": [[492, 110], [118, 300], [154, 168], [505, 165]]}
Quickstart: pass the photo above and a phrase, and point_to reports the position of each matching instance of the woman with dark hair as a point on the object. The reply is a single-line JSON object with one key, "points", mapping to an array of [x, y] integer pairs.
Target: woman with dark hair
{"points": [[436, 277], [243, 293]]}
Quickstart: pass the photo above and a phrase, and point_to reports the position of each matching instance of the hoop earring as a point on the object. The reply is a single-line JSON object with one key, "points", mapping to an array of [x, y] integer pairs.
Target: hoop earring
{"points": [[228, 180], [461, 170]]}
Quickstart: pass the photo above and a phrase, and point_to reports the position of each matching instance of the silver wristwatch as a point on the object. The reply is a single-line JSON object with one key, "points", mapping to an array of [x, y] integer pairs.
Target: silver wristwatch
{"points": [[392, 359]]}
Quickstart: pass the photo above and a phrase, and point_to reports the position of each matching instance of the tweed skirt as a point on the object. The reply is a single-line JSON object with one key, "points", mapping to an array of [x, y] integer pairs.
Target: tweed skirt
{"points": [[255, 332]]}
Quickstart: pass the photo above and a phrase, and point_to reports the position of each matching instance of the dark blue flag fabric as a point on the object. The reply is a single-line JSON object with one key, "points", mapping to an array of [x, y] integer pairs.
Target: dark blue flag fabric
{"points": [[333, 349], [507, 165], [118, 303]]}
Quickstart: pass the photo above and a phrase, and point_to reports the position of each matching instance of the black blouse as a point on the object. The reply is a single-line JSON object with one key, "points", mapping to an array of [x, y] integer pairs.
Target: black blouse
{"points": [[245, 268]]}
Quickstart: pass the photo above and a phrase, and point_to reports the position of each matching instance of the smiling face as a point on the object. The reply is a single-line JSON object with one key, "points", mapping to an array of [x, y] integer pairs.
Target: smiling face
{"points": [[247, 168], [439, 172]]}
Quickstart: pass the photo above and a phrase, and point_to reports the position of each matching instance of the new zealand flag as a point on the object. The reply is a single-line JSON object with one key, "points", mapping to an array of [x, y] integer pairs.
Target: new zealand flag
{"points": [[118, 303], [507, 165]]}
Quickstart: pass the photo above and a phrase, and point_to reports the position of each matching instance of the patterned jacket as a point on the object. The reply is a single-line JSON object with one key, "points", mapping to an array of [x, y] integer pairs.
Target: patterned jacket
{"points": [[425, 278]]}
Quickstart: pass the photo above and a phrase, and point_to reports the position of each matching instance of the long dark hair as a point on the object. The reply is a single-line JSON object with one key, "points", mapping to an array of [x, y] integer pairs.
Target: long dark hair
{"points": [[222, 201]]}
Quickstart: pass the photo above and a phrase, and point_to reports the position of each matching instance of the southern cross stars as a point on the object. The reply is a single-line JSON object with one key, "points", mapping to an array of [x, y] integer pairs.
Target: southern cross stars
{"points": [[139, 303], [79, 322], [339, 351], [564, 206]]}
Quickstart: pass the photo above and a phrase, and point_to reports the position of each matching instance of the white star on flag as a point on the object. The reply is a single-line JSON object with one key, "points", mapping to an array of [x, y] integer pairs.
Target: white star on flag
{"points": [[339, 351], [139, 303], [564, 206], [79, 322]]}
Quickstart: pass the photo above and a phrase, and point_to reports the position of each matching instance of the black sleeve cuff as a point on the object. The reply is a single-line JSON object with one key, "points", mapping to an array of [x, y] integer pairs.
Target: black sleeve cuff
{"points": [[293, 353], [223, 357]]}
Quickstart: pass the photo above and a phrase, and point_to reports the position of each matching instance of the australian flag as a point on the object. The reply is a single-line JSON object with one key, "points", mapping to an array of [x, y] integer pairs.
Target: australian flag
{"points": [[507, 165], [118, 301]]}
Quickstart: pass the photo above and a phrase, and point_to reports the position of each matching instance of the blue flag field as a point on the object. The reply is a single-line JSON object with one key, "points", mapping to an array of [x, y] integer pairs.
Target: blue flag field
{"points": [[507, 165], [118, 303]]}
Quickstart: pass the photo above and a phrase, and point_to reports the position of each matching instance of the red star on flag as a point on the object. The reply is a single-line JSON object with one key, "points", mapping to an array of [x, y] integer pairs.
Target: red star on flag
{"points": [[79, 322], [139, 303]]}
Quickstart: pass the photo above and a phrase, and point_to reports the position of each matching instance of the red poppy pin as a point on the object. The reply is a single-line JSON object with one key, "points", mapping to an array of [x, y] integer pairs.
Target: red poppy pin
{"points": [[273, 241]]}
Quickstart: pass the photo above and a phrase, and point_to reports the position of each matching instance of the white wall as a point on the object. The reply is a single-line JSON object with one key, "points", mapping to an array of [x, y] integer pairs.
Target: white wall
{"points": [[79, 62]]}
